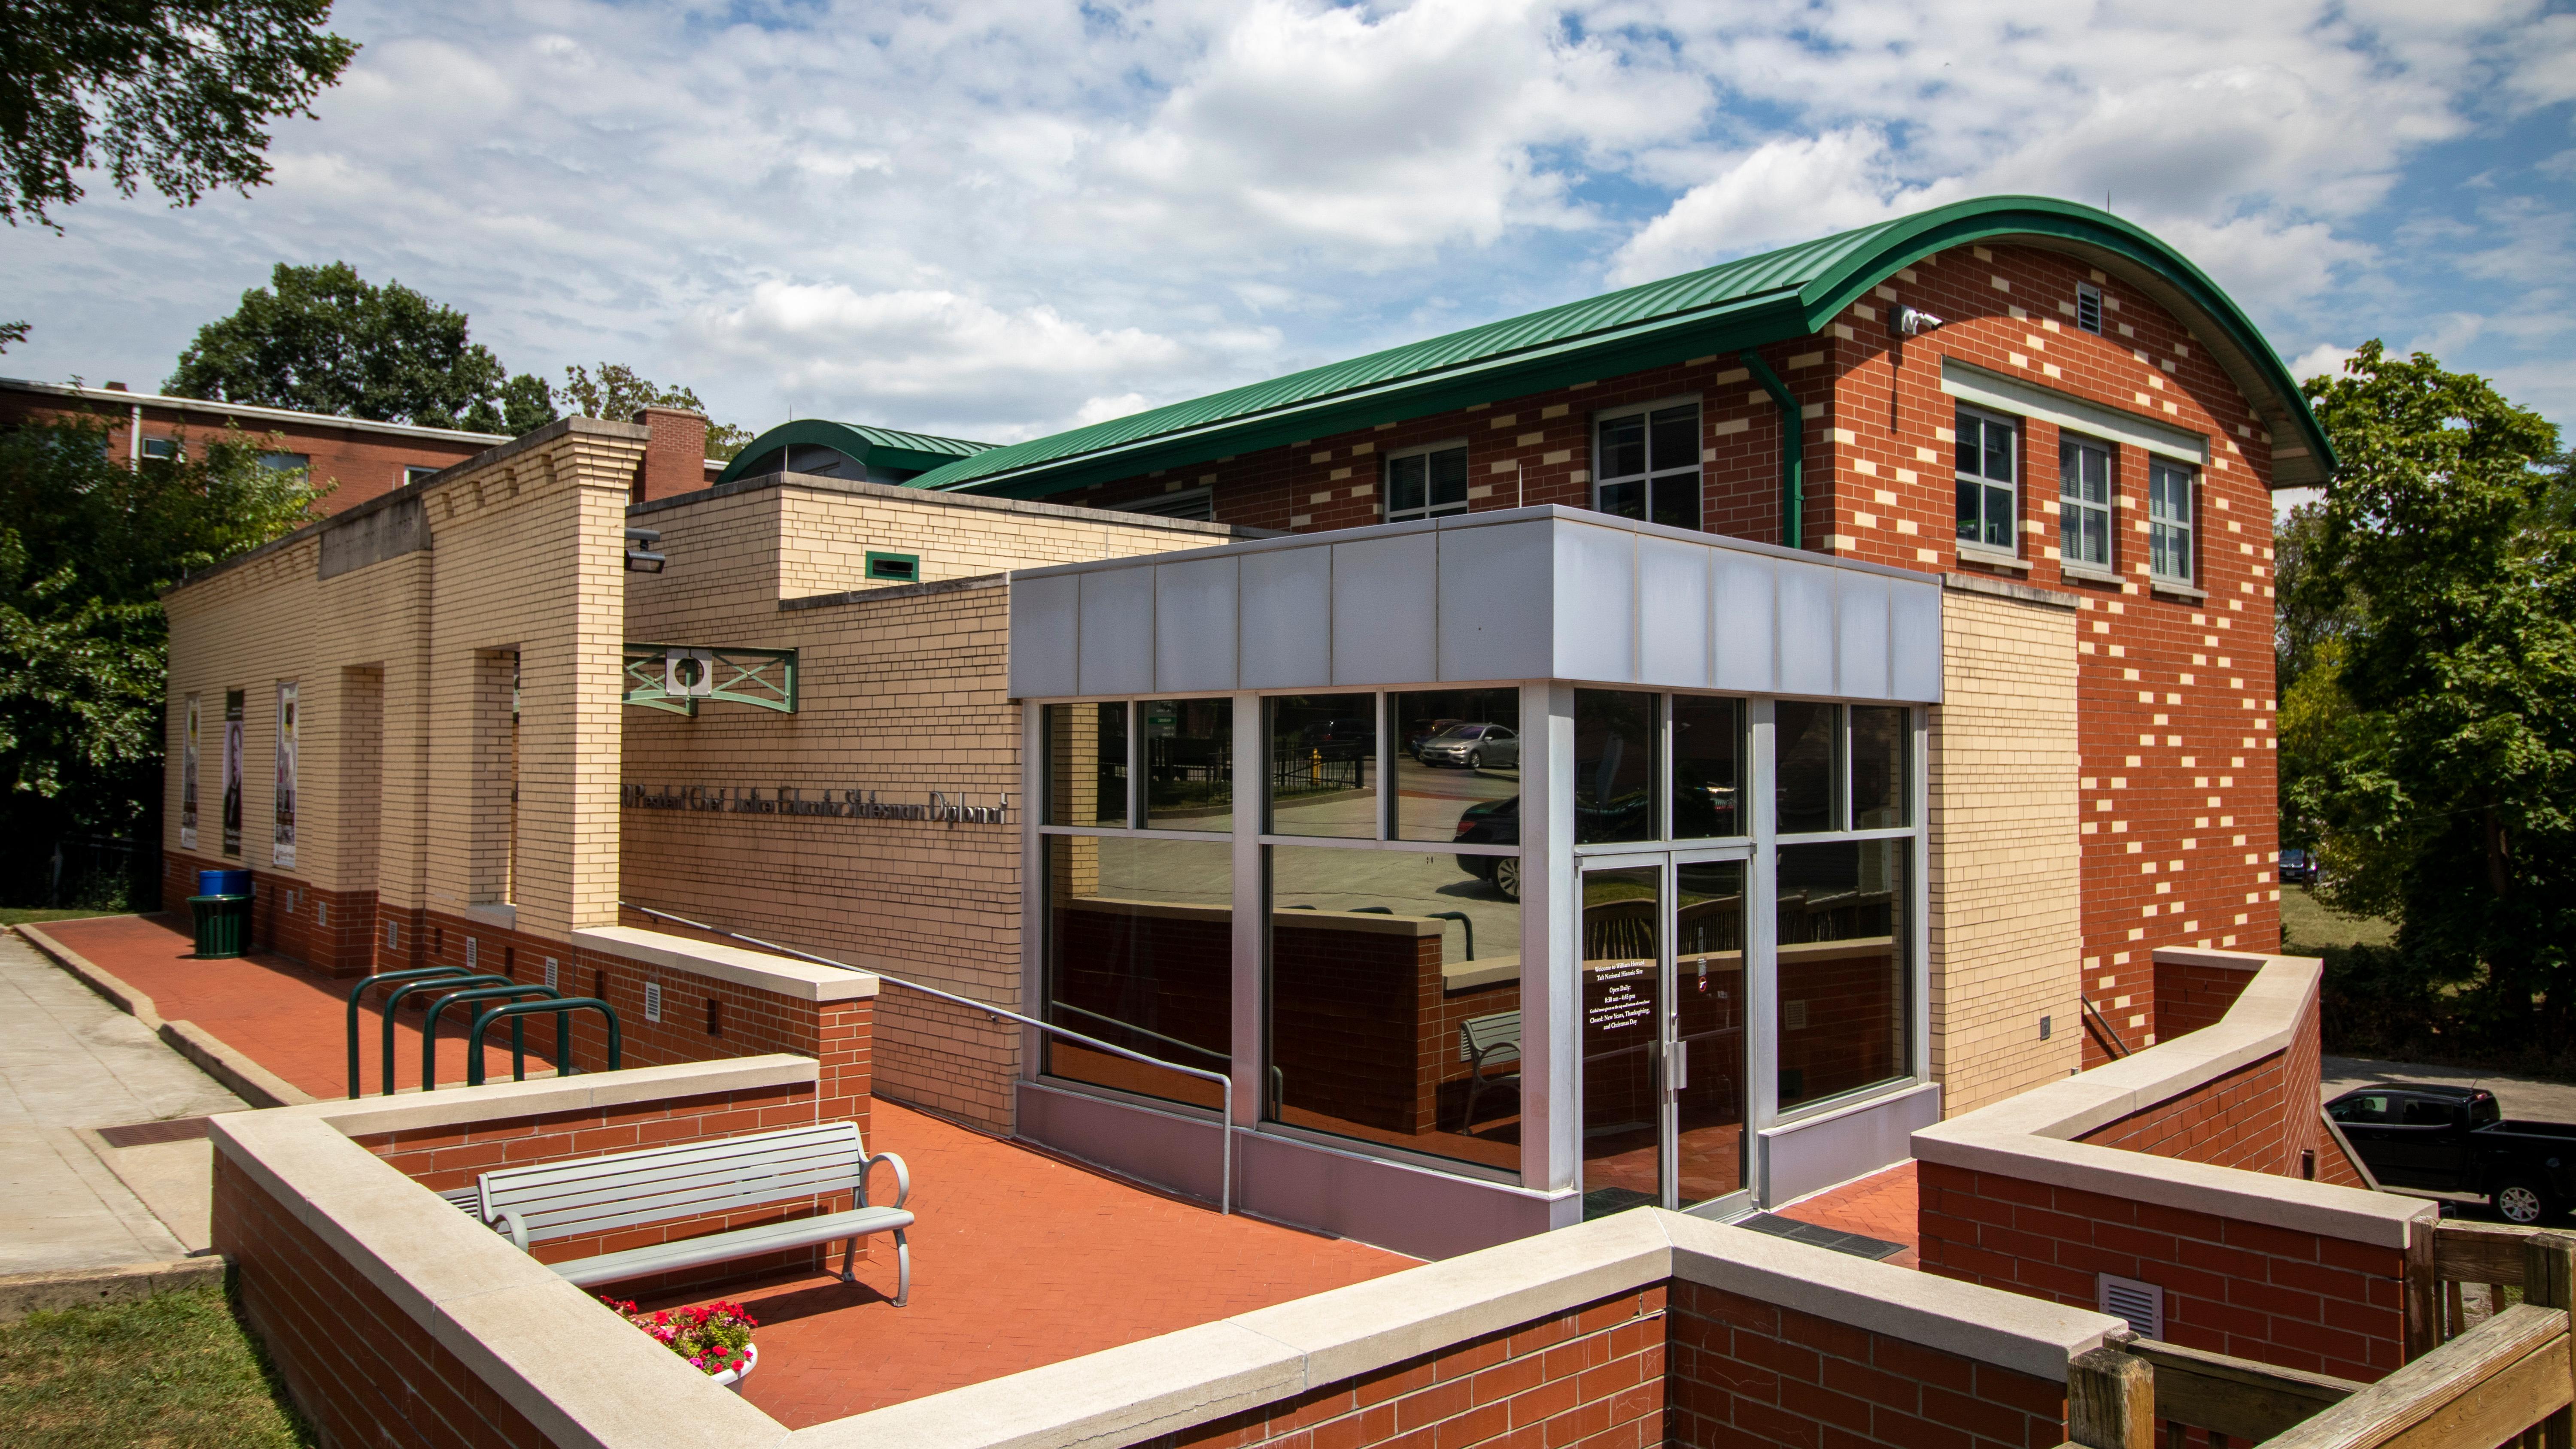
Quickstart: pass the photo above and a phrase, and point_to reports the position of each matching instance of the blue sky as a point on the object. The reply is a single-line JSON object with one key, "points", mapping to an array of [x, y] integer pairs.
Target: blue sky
{"points": [[1000, 219]]}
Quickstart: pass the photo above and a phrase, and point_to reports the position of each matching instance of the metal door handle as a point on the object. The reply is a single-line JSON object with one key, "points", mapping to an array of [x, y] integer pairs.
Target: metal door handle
{"points": [[1681, 1065]]}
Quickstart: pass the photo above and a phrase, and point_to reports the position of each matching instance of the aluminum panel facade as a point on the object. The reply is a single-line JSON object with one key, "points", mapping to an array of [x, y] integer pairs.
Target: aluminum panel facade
{"points": [[1286, 610], [1194, 635], [1386, 609], [1046, 623], [1745, 601], [1673, 614], [1596, 604], [1497, 592], [1118, 631]]}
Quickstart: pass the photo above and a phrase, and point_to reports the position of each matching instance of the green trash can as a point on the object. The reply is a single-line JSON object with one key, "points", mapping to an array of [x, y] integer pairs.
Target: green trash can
{"points": [[223, 925]]}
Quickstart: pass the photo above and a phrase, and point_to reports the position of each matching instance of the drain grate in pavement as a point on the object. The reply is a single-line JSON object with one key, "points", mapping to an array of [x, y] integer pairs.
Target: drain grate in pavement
{"points": [[1856, 1244], [143, 1134]]}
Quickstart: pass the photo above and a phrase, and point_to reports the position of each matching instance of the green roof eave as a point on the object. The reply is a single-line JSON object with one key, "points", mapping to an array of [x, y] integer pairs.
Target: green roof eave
{"points": [[878, 447], [1751, 302]]}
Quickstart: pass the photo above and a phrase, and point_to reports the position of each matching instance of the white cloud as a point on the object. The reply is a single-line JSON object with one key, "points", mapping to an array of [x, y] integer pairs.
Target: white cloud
{"points": [[2323, 360]]}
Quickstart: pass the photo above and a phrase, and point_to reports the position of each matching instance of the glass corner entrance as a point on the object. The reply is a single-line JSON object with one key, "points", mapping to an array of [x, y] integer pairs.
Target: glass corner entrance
{"points": [[1663, 1044]]}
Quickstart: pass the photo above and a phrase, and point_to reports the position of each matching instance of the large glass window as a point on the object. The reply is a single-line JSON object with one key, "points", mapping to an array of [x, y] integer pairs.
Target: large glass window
{"points": [[1708, 755], [1807, 766], [1987, 481], [1086, 764], [1426, 484], [1323, 765], [1882, 745], [1140, 952], [1458, 765], [1845, 999], [2084, 503], [1394, 1011], [1187, 749], [1648, 466], [1614, 766], [1623, 1006], [2169, 520]]}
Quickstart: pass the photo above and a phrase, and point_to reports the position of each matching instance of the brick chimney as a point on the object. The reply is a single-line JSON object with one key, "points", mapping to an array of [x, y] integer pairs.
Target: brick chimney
{"points": [[674, 457]]}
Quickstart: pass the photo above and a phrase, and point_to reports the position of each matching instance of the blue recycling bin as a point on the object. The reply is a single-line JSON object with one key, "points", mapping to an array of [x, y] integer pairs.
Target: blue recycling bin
{"points": [[223, 882]]}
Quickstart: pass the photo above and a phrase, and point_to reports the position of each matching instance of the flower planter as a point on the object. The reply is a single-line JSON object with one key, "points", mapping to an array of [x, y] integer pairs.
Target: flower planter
{"points": [[732, 1378]]}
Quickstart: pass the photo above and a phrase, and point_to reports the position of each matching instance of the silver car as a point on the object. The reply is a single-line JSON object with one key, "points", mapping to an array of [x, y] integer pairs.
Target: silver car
{"points": [[1474, 746]]}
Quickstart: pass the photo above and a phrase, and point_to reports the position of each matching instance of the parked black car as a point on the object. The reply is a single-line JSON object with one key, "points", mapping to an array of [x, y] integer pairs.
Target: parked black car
{"points": [[1492, 822], [2298, 867], [2457, 1139]]}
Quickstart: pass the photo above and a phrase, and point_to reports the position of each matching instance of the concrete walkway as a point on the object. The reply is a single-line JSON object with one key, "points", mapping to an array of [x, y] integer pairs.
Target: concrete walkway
{"points": [[71, 1064]]}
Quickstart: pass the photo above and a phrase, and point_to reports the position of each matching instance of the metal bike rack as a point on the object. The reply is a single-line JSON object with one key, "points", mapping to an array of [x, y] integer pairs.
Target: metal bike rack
{"points": [[515, 1010], [518, 1032], [406, 989], [416, 973]]}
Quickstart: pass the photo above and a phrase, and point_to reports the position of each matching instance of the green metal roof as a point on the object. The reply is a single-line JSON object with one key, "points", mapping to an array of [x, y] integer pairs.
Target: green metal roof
{"points": [[1751, 302], [883, 447]]}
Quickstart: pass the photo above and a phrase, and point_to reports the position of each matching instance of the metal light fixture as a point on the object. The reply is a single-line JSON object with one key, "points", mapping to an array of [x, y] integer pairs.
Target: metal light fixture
{"points": [[1913, 322], [640, 559]]}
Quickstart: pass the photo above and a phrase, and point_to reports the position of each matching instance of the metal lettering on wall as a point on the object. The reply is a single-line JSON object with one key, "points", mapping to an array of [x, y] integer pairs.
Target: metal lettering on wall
{"points": [[941, 808]]}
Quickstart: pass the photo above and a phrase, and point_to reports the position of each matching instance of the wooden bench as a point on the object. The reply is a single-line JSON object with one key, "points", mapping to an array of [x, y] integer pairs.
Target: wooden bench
{"points": [[599, 1195]]}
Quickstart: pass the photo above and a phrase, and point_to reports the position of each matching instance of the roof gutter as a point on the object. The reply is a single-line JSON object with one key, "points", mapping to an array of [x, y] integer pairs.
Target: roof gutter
{"points": [[1793, 450]]}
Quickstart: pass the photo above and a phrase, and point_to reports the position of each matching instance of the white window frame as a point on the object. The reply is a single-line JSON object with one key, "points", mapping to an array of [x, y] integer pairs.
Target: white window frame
{"points": [[2169, 537], [2071, 507], [1697, 470], [1977, 547], [1387, 510]]}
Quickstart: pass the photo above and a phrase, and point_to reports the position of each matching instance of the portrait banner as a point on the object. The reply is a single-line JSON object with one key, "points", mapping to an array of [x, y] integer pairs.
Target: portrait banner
{"points": [[232, 772], [191, 728], [282, 843]]}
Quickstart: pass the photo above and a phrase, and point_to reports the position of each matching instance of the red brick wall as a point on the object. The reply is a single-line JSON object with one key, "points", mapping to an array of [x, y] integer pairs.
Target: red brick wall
{"points": [[674, 457], [1741, 1371], [356, 465], [2190, 997], [361, 1369], [451, 1157], [284, 914], [1589, 1376], [2296, 1299], [2261, 1117]]}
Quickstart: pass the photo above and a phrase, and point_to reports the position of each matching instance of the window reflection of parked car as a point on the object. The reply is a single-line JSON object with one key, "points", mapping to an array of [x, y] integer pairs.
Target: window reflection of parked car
{"points": [[1474, 746], [1492, 822], [1422, 730], [1339, 739], [2298, 867]]}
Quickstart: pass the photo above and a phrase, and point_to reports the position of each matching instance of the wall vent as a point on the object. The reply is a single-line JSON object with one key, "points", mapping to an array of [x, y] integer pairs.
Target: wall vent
{"points": [[2141, 1305], [652, 1001], [469, 953], [550, 973]]}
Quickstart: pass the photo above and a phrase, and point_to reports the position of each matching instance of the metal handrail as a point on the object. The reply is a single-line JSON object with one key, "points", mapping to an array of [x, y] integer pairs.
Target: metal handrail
{"points": [[2118, 1047], [414, 974], [518, 1042], [1138, 1030], [1225, 1125], [518, 1029]]}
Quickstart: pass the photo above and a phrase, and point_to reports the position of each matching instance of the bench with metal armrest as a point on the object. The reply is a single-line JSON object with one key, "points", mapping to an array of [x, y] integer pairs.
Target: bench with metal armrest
{"points": [[554, 1200]]}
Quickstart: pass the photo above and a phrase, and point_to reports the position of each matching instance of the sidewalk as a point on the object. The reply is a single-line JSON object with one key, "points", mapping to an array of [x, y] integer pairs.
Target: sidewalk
{"points": [[70, 1064]]}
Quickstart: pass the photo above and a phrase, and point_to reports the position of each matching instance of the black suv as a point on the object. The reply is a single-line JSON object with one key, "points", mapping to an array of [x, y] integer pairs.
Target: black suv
{"points": [[2457, 1139]]}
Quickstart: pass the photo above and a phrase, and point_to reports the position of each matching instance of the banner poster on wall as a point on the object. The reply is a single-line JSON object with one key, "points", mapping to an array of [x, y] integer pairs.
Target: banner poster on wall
{"points": [[189, 731], [232, 771], [282, 849]]}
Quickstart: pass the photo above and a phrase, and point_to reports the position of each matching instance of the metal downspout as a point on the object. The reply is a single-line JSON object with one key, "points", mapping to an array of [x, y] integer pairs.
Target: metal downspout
{"points": [[1793, 451]]}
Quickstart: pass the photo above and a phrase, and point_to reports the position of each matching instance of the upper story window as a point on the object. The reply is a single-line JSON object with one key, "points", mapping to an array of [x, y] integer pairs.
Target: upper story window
{"points": [[1647, 465], [2088, 306], [286, 462], [1426, 482], [2169, 519], [418, 474], [2084, 503], [1989, 485], [161, 447]]}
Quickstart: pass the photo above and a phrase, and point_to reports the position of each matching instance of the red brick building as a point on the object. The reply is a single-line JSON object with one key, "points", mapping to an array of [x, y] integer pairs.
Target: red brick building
{"points": [[2127, 425]]}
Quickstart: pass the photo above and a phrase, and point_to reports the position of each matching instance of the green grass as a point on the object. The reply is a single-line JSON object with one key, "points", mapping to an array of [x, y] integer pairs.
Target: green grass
{"points": [[37, 915], [175, 1371], [2307, 925]]}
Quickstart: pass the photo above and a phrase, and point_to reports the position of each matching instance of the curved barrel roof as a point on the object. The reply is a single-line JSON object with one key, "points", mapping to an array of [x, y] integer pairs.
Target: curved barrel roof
{"points": [[1750, 302]]}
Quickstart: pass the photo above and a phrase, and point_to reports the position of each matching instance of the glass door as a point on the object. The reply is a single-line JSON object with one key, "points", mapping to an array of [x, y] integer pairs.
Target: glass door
{"points": [[1663, 964]]}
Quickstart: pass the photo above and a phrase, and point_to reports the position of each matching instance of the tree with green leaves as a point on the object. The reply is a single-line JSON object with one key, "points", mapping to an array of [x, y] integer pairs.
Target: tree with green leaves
{"points": [[2430, 734], [174, 92], [322, 339], [617, 392], [88, 542]]}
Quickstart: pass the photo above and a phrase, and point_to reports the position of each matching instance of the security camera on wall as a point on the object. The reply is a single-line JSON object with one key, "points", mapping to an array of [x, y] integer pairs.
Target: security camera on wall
{"points": [[1912, 322]]}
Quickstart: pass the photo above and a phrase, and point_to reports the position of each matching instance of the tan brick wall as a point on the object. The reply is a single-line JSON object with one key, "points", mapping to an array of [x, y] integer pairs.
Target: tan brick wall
{"points": [[2006, 927]]}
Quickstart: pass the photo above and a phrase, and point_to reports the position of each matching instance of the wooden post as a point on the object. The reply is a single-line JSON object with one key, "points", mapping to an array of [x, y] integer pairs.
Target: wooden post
{"points": [[2110, 1400], [2423, 1290], [2549, 1281]]}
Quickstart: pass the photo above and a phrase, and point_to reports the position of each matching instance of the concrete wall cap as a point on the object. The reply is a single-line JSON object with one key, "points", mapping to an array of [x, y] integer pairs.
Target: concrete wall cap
{"points": [[2227, 960], [456, 1106], [1121, 1395], [2028, 1335], [801, 980], [584, 1377], [2349, 1213]]}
